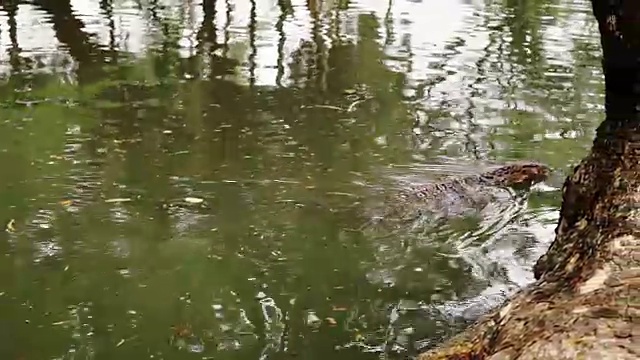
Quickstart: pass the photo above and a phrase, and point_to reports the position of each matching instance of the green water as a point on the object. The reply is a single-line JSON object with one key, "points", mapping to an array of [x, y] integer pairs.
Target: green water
{"points": [[188, 180]]}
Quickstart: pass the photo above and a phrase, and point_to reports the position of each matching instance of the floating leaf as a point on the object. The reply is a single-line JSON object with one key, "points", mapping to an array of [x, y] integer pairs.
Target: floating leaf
{"points": [[11, 226], [331, 321], [312, 319], [193, 200], [117, 200], [66, 202]]}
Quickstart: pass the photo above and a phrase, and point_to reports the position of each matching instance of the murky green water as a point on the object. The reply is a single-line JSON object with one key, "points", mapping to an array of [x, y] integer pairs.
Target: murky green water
{"points": [[186, 180]]}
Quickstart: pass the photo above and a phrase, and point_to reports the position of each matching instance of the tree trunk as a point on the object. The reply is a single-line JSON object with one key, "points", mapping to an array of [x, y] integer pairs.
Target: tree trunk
{"points": [[585, 303]]}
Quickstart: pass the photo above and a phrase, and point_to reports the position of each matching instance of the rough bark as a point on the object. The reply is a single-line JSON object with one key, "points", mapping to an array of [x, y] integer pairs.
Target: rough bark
{"points": [[585, 303]]}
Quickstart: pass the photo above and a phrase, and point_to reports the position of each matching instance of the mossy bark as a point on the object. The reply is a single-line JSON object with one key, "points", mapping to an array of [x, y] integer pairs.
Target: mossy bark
{"points": [[585, 303]]}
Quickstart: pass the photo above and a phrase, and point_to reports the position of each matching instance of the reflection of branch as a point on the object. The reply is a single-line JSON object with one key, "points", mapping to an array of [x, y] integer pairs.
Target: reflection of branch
{"points": [[285, 8], [208, 41], [388, 24], [68, 31], [107, 8], [14, 50], [227, 35], [320, 57], [252, 44], [153, 11], [207, 33]]}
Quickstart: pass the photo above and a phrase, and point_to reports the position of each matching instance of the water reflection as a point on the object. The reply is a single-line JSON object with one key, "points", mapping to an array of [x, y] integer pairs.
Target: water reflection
{"points": [[183, 177]]}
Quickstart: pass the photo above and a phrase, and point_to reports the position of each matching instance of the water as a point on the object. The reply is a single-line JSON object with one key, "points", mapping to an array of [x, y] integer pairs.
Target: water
{"points": [[186, 179]]}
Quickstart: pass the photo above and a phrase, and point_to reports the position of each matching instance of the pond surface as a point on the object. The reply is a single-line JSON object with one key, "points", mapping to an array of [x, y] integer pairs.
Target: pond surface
{"points": [[192, 179]]}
